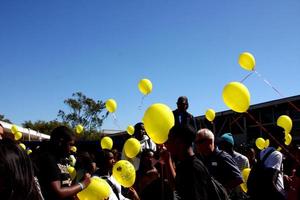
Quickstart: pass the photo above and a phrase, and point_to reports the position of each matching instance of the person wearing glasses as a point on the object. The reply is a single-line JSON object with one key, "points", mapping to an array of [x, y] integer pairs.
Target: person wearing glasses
{"points": [[219, 163]]}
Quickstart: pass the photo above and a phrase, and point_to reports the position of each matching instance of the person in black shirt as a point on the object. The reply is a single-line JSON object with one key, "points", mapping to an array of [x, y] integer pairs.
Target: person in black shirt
{"points": [[51, 165], [182, 117], [192, 181]]}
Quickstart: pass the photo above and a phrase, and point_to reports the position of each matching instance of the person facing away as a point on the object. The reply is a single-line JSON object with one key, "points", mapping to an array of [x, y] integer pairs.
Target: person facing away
{"points": [[219, 163], [182, 117], [273, 183], [51, 164], [192, 181], [17, 181]]}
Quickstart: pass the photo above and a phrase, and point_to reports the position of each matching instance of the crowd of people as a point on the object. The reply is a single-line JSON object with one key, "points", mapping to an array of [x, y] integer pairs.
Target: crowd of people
{"points": [[191, 165]]}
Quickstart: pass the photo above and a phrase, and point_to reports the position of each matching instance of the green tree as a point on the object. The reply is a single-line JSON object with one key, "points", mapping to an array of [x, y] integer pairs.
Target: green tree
{"points": [[84, 111], [43, 126], [2, 118]]}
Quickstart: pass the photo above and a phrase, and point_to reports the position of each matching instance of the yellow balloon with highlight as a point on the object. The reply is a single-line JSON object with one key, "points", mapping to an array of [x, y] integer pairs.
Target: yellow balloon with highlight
{"points": [[29, 151], [22, 146], [18, 135], [124, 173], [288, 139], [79, 129], [14, 129], [132, 147], [111, 105], [145, 86], [245, 175], [247, 61], [72, 172], [130, 130], [285, 122], [74, 149], [210, 115], [98, 189], [267, 143], [260, 143], [236, 96], [106, 143], [158, 120]]}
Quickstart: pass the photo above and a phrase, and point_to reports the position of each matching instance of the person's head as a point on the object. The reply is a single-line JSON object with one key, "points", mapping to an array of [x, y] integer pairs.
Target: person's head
{"points": [[16, 173], [147, 159], [204, 142], [105, 160], [139, 131], [85, 162], [182, 103], [278, 135], [1, 132], [227, 143], [62, 139], [180, 141]]}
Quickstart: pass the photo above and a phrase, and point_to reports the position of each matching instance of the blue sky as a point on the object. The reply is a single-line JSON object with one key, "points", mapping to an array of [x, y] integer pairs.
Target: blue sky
{"points": [[51, 49]]}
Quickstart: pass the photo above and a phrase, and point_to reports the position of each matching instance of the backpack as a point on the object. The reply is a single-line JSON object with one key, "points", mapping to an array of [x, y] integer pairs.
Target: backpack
{"points": [[261, 182]]}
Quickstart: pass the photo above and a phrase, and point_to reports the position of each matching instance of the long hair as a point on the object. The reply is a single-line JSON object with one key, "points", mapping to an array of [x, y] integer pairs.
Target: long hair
{"points": [[16, 172]]}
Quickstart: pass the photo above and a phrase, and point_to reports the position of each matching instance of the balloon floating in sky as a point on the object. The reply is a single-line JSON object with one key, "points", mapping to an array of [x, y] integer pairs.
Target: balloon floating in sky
{"points": [[79, 129], [158, 120], [247, 61], [236, 96], [124, 173], [130, 130], [98, 189], [285, 122], [111, 105], [210, 115], [106, 143], [145, 86]]}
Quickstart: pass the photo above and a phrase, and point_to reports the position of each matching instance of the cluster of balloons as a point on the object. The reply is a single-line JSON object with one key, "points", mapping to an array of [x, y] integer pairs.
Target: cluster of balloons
{"points": [[98, 189], [286, 123]]}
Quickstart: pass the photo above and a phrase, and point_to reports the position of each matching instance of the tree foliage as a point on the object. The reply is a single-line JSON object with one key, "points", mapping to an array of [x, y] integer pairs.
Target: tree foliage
{"points": [[84, 111], [2, 118], [42, 126]]}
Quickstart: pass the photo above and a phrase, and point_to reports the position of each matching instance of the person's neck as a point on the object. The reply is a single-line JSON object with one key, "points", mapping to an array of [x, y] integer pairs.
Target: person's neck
{"points": [[187, 153]]}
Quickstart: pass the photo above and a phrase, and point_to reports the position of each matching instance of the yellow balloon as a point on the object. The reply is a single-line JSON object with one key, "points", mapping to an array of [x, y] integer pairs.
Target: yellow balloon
{"points": [[210, 115], [285, 122], [236, 96], [247, 61], [74, 149], [145, 86], [260, 143], [22, 146], [267, 143], [14, 129], [72, 172], [111, 105], [288, 139], [132, 147], [98, 189], [18, 135], [130, 130], [79, 129], [158, 120], [106, 143], [124, 173], [29, 151], [245, 175]]}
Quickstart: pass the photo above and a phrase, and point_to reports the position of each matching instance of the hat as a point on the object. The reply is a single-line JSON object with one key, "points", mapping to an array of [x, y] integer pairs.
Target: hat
{"points": [[227, 137]]}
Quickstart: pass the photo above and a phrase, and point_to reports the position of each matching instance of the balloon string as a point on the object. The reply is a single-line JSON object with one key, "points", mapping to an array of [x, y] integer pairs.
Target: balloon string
{"points": [[246, 77], [276, 90], [142, 102], [276, 141], [115, 120]]}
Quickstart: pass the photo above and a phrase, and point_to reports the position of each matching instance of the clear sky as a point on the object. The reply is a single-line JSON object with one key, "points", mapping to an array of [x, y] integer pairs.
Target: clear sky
{"points": [[50, 49]]}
